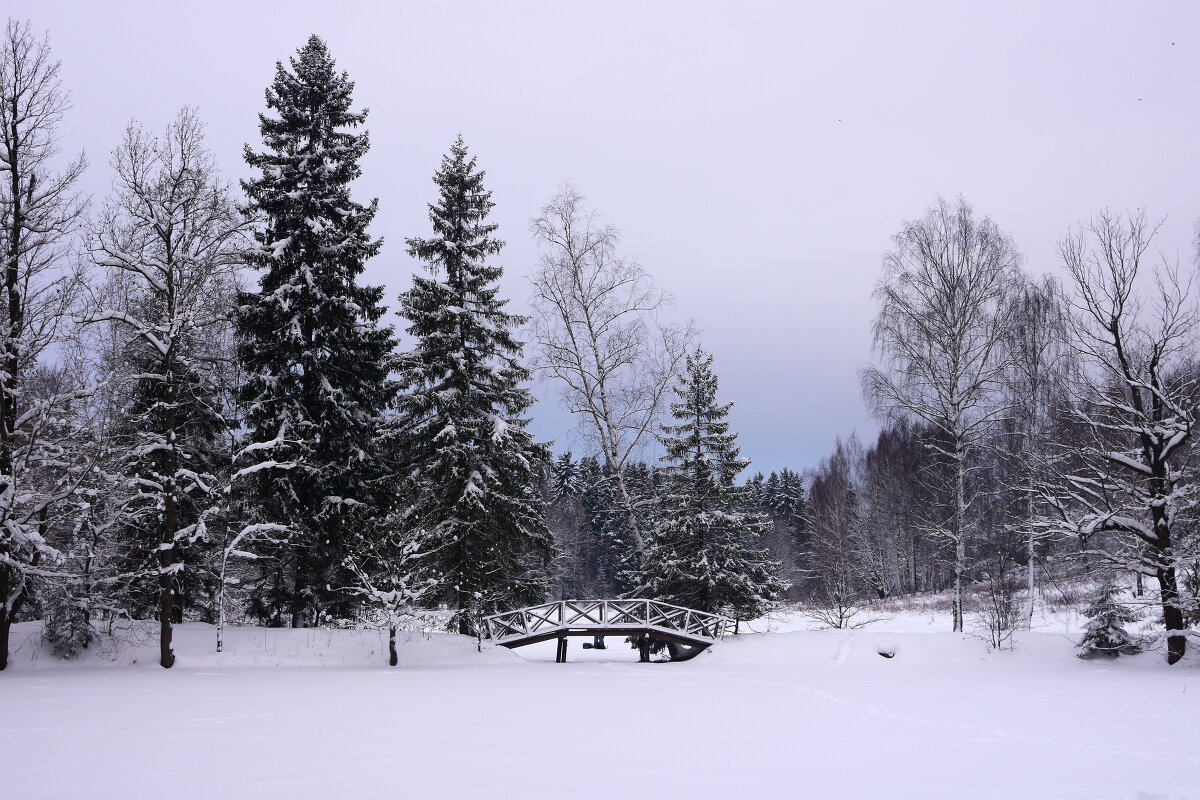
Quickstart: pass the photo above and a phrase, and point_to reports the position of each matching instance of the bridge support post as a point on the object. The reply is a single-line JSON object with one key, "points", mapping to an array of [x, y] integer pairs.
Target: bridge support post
{"points": [[644, 649], [561, 656]]}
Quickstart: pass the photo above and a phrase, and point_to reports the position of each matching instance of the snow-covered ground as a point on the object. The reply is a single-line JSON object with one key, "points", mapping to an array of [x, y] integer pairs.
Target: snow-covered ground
{"points": [[790, 713]]}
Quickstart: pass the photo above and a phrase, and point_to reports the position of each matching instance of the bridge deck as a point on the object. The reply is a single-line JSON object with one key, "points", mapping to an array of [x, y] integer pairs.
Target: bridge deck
{"points": [[664, 621]]}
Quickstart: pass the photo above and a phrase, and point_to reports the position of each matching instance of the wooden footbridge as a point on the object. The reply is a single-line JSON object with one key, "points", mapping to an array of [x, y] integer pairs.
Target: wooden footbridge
{"points": [[644, 620]]}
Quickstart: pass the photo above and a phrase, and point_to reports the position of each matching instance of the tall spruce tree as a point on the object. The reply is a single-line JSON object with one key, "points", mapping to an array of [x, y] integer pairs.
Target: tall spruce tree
{"points": [[472, 466], [315, 356], [702, 554]]}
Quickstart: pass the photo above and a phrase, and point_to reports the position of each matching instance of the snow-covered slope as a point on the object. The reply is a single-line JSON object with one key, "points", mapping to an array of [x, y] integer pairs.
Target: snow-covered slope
{"points": [[792, 713]]}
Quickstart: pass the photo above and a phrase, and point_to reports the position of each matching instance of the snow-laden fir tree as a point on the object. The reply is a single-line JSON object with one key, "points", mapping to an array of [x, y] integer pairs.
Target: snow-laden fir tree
{"points": [[702, 554], [1105, 634], [315, 356], [472, 467], [567, 521], [612, 553], [565, 480], [784, 494]]}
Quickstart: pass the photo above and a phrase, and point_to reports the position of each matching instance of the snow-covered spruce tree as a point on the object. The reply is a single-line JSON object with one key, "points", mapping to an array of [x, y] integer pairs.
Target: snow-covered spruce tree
{"points": [[565, 479], [702, 553], [170, 239], [316, 359], [68, 630], [472, 467], [567, 520], [1105, 634], [781, 497], [612, 554]]}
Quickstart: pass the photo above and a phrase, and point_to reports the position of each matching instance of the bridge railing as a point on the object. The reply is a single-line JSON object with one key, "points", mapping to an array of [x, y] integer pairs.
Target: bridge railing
{"points": [[632, 614]]}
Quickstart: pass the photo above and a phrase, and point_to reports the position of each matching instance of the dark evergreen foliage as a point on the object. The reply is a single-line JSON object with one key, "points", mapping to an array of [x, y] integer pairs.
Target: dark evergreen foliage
{"points": [[472, 468], [316, 358], [1105, 634], [182, 407], [702, 554], [68, 629]]}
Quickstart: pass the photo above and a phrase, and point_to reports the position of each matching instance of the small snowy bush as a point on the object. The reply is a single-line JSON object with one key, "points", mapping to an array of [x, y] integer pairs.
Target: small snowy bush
{"points": [[68, 629], [1105, 634]]}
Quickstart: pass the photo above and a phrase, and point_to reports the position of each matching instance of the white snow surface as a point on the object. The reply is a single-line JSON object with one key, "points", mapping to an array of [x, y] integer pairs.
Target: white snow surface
{"points": [[792, 713]]}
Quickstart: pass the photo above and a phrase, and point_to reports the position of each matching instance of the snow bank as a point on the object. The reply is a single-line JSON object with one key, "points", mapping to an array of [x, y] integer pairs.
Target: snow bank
{"points": [[791, 713], [136, 645]]}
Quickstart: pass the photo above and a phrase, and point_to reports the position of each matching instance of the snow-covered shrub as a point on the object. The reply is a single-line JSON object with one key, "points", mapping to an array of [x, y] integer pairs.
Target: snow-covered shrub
{"points": [[68, 629], [1105, 633], [999, 611]]}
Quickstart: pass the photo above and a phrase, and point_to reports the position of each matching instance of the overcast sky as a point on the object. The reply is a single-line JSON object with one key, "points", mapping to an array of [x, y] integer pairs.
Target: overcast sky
{"points": [[756, 156]]}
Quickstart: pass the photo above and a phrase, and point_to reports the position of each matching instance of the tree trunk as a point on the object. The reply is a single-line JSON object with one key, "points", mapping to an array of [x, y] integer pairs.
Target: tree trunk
{"points": [[5, 628], [298, 584], [1168, 584], [221, 604], [9, 613], [639, 541], [166, 584], [166, 547], [960, 541], [392, 658], [6, 615], [1172, 613], [1032, 540], [8, 397]]}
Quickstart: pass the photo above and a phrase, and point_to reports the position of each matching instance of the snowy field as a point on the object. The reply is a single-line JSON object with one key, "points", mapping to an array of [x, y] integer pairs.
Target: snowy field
{"points": [[792, 713]]}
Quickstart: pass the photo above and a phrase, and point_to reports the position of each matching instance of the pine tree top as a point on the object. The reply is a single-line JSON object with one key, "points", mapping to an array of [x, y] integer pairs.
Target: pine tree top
{"points": [[700, 444], [462, 238], [464, 337], [312, 152]]}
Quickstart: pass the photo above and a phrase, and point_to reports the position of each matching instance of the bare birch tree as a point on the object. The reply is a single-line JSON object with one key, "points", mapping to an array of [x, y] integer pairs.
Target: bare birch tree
{"points": [[943, 315], [1039, 361], [598, 333], [40, 212], [1135, 401]]}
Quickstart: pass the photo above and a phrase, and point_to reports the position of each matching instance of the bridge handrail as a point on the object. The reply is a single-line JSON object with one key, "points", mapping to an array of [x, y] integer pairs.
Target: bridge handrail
{"points": [[640, 612]]}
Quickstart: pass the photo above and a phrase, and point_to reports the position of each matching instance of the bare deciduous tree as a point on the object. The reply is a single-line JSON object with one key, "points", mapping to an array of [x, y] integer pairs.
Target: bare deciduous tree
{"points": [[943, 315], [833, 523], [599, 335], [1039, 361], [172, 234], [40, 211], [1135, 400]]}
